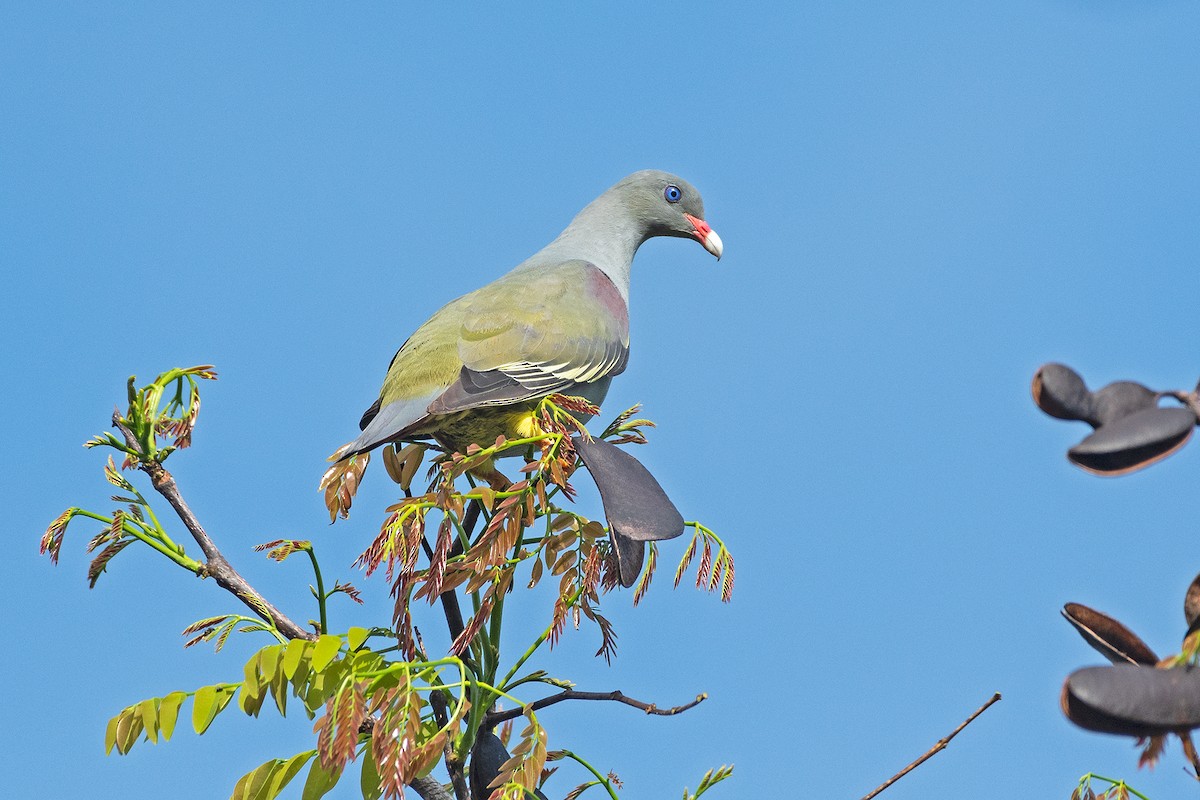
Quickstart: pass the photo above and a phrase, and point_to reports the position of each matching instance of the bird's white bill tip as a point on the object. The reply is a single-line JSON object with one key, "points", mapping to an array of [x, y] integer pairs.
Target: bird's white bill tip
{"points": [[712, 243]]}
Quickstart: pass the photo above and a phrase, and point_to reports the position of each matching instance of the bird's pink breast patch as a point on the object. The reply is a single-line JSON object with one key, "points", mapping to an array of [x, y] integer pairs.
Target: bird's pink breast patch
{"points": [[606, 292]]}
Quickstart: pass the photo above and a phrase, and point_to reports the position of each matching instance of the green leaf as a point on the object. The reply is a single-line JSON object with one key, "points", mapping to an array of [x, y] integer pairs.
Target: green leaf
{"points": [[283, 776], [279, 691], [356, 636], [366, 661], [300, 681], [148, 709], [293, 655], [168, 713], [321, 685], [251, 704], [204, 708], [129, 727], [370, 780], [254, 683], [319, 782], [224, 695], [208, 702], [250, 786], [110, 735], [324, 651], [268, 661]]}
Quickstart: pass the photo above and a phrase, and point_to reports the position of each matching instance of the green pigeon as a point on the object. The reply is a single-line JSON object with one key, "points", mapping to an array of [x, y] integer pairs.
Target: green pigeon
{"points": [[557, 323]]}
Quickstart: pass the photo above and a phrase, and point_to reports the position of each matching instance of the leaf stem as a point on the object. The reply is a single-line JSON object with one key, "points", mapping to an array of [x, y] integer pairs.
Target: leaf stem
{"points": [[190, 564], [321, 596], [1114, 782], [600, 779]]}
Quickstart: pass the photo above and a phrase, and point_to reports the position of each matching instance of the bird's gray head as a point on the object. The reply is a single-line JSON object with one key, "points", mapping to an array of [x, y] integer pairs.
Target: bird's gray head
{"points": [[666, 205]]}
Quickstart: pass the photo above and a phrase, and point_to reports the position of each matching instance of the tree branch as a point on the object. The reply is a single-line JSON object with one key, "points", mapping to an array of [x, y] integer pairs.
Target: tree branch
{"points": [[430, 788], [493, 718], [216, 565], [937, 748]]}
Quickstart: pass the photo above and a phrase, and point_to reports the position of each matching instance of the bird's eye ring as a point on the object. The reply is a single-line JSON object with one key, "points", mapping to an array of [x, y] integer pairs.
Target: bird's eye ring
{"points": [[672, 193]]}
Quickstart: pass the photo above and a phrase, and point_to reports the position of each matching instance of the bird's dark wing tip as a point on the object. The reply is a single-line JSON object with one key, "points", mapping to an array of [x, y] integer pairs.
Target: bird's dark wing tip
{"points": [[368, 415]]}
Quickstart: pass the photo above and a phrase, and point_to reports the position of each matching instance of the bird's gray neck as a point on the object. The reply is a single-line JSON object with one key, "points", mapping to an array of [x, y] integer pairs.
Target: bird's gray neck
{"points": [[604, 233]]}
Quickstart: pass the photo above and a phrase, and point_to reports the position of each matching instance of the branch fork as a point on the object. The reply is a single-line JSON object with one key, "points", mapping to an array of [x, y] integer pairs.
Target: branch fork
{"points": [[215, 564]]}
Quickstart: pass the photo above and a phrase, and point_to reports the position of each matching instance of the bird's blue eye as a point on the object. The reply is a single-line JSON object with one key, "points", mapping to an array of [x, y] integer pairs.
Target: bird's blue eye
{"points": [[672, 193]]}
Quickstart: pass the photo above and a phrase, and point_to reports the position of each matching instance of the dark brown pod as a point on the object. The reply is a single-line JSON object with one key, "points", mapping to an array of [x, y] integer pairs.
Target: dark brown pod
{"points": [[1119, 400], [1133, 700], [631, 556], [1060, 392], [487, 756], [635, 505], [1191, 605], [1135, 441], [1109, 638]]}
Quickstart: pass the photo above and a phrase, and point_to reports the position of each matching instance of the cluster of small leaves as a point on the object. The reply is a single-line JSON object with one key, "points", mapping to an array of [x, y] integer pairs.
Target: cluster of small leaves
{"points": [[710, 779], [148, 419], [715, 569], [570, 547], [340, 482], [626, 429], [136, 521], [583, 559], [486, 566], [217, 629], [1116, 789], [367, 705]]}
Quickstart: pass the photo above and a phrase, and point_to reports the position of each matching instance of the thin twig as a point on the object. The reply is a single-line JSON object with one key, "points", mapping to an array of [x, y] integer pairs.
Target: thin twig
{"points": [[493, 718], [216, 565], [937, 748]]}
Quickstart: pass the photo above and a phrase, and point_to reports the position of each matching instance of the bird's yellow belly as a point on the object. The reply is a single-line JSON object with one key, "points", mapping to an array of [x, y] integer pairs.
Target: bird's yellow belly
{"points": [[482, 426]]}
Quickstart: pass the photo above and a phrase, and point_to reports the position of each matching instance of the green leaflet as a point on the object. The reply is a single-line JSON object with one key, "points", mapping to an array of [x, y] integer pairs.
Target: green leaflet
{"points": [[319, 782], [284, 774], [208, 702], [279, 691], [129, 727], [110, 735], [266, 781], [369, 782], [325, 650], [168, 713], [268, 661], [148, 709], [249, 702], [292, 656], [204, 708], [253, 784], [356, 636], [253, 686]]}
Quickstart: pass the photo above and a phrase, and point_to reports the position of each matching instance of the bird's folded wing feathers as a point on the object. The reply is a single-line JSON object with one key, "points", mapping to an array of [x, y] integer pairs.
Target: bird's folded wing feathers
{"points": [[538, 332], [531, 333]]}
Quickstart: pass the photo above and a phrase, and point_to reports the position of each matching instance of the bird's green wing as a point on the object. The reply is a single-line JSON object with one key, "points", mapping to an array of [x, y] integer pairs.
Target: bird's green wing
{"points": [[529, 334], [536, 332]]}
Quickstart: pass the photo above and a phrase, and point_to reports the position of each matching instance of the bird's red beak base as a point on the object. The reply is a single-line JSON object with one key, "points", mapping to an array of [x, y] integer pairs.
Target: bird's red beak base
{"points": [[706, 236]]}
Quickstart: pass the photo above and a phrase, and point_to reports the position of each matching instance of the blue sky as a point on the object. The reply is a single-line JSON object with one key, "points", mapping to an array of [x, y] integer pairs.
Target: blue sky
{"points": [[920, 204]]}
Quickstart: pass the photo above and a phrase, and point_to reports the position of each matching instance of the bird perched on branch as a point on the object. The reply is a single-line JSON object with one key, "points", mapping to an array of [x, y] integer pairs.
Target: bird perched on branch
{"points": [[556, 324]]}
